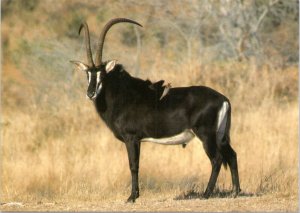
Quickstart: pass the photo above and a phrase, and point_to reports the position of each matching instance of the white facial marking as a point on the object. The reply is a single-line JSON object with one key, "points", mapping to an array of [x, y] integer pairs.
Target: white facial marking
{"points": [[94, 97], [98, 84], [181, 138], [98, 77], [99, 89], [222, 113], [89, 76]]}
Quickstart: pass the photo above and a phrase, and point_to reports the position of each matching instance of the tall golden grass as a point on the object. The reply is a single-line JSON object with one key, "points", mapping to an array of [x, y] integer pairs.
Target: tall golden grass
{"points": [[66, 152]]}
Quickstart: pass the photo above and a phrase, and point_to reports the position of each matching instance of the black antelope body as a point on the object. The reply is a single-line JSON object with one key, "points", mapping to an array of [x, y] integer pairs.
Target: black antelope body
{"points": [[137, 111]]}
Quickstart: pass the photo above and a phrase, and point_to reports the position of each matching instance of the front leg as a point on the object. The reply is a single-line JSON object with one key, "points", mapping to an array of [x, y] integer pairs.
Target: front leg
{"points": [[133, 151]]}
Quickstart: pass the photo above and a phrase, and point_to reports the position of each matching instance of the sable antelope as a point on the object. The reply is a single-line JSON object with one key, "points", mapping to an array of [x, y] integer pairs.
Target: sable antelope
{"points": [[135, 111]]}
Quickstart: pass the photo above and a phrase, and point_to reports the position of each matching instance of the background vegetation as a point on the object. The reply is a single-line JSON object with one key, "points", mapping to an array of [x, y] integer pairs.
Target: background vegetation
{"points": [[54, 146]]}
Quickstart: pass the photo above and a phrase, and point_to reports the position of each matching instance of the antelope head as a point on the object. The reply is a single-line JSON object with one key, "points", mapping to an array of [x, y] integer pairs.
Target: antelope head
{"points": [[96, 71]]}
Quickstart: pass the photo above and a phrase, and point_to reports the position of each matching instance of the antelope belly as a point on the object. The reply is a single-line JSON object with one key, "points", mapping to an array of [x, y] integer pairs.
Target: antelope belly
{"points": [[181, 138]]}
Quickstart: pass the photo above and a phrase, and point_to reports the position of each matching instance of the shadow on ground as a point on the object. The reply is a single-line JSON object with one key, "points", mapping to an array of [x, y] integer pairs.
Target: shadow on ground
{"points": [[192, 194]]}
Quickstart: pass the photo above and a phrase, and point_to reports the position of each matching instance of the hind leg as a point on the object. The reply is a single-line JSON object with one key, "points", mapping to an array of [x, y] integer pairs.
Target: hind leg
{"points": [[230, 157], [216, 163], [215, 157]]}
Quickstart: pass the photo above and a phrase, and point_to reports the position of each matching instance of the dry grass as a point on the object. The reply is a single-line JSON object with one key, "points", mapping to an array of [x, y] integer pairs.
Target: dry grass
{"points": [[56, 154], [66, 153]]}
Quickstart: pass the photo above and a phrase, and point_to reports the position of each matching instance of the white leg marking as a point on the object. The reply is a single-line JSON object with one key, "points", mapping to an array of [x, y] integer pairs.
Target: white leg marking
{"points": [[182, 138], [222, 113]]}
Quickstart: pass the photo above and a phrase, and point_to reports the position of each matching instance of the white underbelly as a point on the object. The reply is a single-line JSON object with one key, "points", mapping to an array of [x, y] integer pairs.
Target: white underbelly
{"points": [[181, 138]]}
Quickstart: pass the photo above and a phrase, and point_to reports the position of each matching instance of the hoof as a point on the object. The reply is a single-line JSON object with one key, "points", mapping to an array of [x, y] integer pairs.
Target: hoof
{"points": [[206, 195], [132, 198], [235, 192]]}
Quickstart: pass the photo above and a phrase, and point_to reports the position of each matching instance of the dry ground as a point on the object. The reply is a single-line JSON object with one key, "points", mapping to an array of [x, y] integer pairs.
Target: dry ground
{"points": [[166, 203]]}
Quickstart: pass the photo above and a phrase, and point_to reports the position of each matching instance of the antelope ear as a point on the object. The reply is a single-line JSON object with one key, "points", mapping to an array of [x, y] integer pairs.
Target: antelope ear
{"points": [[81, 66], [110, 65]]}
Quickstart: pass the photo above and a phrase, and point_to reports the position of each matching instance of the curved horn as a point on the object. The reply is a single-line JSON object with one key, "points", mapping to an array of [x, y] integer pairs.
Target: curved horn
{"points": [[87, 43], [103, 34]]}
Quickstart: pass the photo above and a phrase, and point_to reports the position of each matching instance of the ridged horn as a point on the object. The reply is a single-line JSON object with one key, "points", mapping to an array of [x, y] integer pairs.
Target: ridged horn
{"points": [[103, 34], [87, 43]]}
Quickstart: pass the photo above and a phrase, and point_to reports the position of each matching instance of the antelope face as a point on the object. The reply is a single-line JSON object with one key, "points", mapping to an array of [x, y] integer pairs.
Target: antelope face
{"points": [[95, 76], [96, 71]]}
